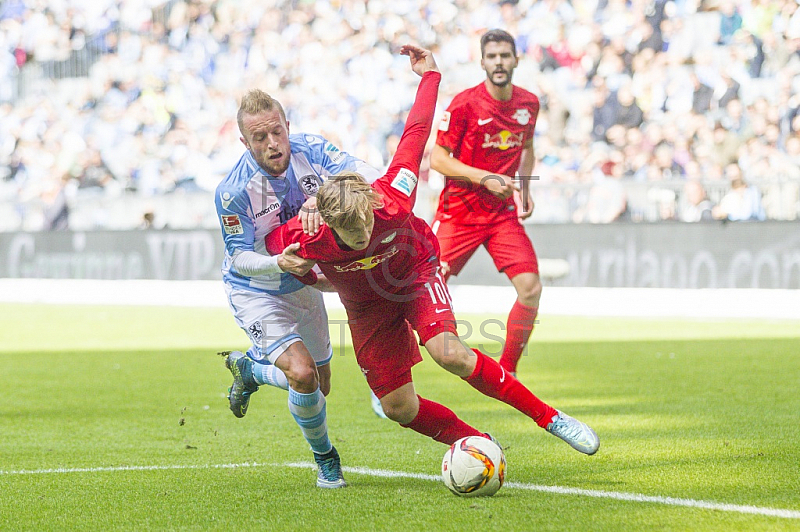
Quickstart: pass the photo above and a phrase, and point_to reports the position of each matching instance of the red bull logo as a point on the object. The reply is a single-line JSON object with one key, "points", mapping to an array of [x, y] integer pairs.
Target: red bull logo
{"points": [[367, 263], [503, 140]]}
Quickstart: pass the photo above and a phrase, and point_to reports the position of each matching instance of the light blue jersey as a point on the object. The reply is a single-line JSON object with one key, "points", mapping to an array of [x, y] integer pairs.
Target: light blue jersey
{"points": [[251, 203]]}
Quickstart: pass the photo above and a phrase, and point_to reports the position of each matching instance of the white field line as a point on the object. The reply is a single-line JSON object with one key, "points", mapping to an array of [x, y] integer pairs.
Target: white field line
{"points": [[560, 490]]}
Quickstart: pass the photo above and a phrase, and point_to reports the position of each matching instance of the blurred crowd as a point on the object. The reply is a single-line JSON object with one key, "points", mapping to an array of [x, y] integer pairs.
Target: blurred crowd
{"points": [[651, 110]]}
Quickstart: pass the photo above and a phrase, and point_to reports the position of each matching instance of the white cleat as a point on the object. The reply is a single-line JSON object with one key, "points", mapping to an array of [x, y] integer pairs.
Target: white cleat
{"points": [[376, 405], [577, 434]]}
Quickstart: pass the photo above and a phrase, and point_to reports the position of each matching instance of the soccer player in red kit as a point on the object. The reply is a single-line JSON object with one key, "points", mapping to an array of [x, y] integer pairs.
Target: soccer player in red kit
{"points": [[383, 262], [485, 138]]}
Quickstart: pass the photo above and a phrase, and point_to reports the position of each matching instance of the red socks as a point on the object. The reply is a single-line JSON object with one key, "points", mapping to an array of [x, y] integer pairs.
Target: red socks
{"points": [[440, 423], [519, 329], [443, 425], [491, 379]]}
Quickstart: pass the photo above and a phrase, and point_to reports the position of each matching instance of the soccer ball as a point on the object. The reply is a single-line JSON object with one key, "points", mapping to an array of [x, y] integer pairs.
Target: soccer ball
{"points": [[474, 467]]}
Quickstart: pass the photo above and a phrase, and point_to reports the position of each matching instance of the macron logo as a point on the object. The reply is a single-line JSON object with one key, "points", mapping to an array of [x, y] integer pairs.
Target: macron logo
{"points": [[268, 209]]}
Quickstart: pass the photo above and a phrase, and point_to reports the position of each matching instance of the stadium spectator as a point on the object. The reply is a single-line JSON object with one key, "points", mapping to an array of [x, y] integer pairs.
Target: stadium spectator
{"points": [[664, 164], [628, 113], [731, 90], [92, 171], [696, 206], [606, 110], [607, 201], [729, 21], [743, 202], [148, 220], [56, 201], [726, 145], [703, 94]]}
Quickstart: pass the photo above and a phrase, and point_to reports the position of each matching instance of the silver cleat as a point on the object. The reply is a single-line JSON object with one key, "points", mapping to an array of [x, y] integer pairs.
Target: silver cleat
{"points": [[577, 434]]}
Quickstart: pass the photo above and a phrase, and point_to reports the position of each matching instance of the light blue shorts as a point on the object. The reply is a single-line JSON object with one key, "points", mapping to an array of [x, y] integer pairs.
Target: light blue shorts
{"points": [[274, 322]]}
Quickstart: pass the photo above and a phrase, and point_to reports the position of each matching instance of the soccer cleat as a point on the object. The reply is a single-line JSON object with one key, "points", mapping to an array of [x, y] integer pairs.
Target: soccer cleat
{"points": [[579, 435], [329, 470], [376, 405], [493, 439], [244, 385]]}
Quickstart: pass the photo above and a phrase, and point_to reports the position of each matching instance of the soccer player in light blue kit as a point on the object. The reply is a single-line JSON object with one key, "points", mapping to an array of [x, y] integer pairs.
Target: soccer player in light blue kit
{"points": [[275, 180]]}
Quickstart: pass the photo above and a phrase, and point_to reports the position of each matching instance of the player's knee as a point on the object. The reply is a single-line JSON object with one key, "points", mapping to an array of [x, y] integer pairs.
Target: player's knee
{"points": [[453, 357], [530, 293], [303, 377], [402, 412]]}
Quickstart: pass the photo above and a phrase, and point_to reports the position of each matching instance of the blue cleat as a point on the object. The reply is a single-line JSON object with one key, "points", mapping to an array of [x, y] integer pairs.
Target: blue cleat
{"points": [[329, 473], [577, 434], [244, 385]]}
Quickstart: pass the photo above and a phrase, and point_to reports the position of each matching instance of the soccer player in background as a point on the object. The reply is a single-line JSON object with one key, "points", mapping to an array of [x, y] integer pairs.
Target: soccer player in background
{"points": [[383, 262], [285, 319], [484, 139]]}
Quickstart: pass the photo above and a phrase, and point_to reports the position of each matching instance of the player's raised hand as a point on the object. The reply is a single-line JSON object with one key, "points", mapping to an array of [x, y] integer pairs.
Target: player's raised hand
{"points": [[290, 262], [500, 185], [444, 270], [421, 60]]}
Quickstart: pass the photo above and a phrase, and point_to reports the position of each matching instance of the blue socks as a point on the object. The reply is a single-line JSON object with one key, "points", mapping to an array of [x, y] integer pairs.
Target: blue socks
{"points": [[269, 374], [308, 410]]}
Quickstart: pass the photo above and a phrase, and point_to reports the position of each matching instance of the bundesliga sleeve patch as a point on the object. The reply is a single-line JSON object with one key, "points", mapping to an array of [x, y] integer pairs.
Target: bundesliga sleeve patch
{"points": [[444, 123], [232, 224], [334, 153], [405, 181]]}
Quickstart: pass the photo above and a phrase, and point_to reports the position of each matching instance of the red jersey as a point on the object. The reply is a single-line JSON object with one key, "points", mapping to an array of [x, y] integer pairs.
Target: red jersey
{"points": [[402, 249], [488, 134]]}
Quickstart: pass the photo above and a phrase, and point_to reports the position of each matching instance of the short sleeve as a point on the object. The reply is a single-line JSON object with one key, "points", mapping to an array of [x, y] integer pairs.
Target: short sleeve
{"points": [[453, 125]]}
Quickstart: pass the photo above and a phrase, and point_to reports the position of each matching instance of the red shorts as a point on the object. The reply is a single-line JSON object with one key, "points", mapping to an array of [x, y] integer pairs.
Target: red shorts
{"points": [[383, 333], [506, 241]]}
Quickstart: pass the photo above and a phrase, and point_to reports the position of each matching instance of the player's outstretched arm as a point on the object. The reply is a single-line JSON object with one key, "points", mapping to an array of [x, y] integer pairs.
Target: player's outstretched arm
{"points": [[290, 262], [399, 184], [421, 59]]}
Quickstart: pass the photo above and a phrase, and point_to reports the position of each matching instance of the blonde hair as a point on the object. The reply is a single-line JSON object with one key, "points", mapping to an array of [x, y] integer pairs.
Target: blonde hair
{"points": [[255, 102], [346, 201]]}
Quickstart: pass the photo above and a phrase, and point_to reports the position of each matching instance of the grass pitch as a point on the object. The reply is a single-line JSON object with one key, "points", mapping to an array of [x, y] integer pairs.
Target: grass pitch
{"points": [[115, 418]]}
